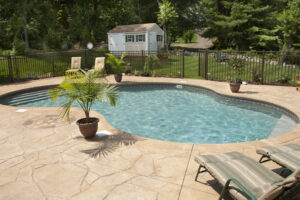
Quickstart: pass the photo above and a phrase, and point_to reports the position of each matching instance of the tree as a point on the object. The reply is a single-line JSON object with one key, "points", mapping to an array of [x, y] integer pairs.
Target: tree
{"points": [[166, 18], [289, 26], [241, 25]]}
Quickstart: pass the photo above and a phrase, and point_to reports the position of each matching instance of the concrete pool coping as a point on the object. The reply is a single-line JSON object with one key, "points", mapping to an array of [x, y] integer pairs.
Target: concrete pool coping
{"points": [[39, 159]]}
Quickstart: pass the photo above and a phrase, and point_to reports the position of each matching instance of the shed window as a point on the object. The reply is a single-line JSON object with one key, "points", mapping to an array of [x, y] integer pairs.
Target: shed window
{"points": [[159, 38], [129, 38], [140, 38]]}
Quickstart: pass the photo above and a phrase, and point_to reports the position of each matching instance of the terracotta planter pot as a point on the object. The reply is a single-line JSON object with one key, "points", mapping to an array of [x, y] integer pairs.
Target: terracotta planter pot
{"points": [[88, 129], [118, 77], [235, 87]]}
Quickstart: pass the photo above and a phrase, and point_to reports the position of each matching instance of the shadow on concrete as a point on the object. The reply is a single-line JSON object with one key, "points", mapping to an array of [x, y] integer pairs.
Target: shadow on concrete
{"points": [[109, 143], [248, 92]]}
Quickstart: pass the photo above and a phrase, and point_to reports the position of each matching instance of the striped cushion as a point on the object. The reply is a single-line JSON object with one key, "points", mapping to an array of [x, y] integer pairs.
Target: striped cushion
{"points": [[286, 155], [255, 177], [278, 188]]}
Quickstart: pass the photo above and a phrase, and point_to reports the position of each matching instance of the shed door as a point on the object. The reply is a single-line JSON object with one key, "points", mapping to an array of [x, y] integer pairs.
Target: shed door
{"points": [[116, 42], [153, 43]]}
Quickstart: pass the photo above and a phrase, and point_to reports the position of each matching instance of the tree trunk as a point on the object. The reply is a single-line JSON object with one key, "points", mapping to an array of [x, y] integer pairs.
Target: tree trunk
{"points": [[166, 38], [25, 24], [87, 115], [285, 51]]}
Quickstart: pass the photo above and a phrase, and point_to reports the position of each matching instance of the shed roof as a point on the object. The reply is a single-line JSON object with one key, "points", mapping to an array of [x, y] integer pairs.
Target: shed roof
{"points": [[131, 28]]}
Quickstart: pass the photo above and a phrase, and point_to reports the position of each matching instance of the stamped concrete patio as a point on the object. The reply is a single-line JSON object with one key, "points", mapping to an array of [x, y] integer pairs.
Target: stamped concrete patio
{"points": [[42, 157]]}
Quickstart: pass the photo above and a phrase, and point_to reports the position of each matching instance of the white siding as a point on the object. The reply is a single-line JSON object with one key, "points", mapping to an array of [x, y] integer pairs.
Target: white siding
{"points": [[116, 42], [158, 31], [136, 46]]}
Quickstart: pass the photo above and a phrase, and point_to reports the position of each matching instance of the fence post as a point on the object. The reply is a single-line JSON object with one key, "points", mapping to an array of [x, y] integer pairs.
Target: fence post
{"points": [[206, 65], [85, 59], [199, 63], [10, 68], [182, 74], [53, 67], [143, 62], [262, 67]]}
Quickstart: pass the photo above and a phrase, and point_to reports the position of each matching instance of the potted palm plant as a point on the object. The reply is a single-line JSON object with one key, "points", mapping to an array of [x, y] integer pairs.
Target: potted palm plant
{"points": [[85, 90], [237, 65], [117, 65]]}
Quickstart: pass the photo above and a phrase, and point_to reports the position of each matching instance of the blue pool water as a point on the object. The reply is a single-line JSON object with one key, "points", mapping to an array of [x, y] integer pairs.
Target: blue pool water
{"points": [[178, 113]]}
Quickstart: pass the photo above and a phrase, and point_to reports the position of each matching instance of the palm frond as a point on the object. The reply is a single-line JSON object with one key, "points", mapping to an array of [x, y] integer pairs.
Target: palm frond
{"points": [[84, 90]]}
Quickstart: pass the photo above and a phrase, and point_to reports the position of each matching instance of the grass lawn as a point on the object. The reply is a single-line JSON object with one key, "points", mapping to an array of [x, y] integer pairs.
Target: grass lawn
{"points": [[44, 65]]}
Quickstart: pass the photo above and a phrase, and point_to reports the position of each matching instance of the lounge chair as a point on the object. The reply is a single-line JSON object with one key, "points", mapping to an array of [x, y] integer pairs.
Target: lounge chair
{"points": [[75, 67], [99, 64], [287, 156], [244, 178], [297, 82]]}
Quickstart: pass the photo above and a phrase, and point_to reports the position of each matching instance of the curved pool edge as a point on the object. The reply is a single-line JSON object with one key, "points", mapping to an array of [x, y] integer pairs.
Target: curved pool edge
{"points": [[283, 138], [50, 152]]}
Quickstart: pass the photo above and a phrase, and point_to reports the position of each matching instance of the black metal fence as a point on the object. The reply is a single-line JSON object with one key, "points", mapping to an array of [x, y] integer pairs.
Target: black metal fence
{"points": [[259, 67], [44, 65]]}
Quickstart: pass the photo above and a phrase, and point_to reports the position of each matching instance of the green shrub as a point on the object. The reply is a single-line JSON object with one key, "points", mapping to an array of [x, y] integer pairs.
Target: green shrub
{"points": [[284, 79], [6, 52], [136, 73], [152, 62], [53, 39], [18, 46], [188, 36]]}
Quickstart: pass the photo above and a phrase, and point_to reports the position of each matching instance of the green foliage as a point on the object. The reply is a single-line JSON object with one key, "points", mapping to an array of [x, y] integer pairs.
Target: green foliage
{"points": [[167, 17], [240, 25], [188, 36], [54, 39], [152, 62], [153, 74], [289, 23], [18, 46], [284, 79], [116, 64], [136, 73], [84, 90], [167, 14]]}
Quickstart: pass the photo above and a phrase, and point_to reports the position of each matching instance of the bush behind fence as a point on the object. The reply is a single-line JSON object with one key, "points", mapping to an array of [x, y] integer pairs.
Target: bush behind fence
{"points": [[259, 67]]}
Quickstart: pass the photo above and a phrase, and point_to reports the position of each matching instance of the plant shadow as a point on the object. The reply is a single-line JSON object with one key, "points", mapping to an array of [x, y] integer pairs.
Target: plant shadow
{"points": [[248, 92], [110, 143]]}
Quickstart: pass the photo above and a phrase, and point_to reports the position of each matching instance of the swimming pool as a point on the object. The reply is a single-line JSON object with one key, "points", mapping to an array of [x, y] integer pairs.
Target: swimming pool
{"points": [[180, 113]]}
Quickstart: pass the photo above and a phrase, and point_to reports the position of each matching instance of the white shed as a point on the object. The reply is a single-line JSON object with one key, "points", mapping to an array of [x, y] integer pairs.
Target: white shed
{"points": [[136, 37]]}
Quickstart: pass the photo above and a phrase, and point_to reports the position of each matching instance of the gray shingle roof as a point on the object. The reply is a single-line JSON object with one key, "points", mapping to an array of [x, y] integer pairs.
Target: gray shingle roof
{"points": [[131, 28]]}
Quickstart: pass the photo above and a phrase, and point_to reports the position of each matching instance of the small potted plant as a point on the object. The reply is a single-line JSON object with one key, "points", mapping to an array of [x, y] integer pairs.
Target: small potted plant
{"points": [[256, 75], [117, 65], [85, 90], [237, 65], [128, 69]]}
